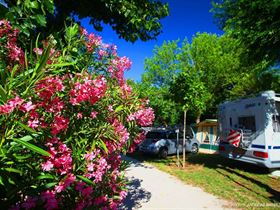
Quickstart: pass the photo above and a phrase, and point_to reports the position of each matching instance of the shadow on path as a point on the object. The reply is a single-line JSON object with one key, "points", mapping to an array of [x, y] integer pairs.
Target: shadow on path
{"points": [[134, 163], [136, 195]]}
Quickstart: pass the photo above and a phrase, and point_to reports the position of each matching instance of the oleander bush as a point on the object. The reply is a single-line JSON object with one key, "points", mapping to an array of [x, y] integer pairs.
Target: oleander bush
{"points": [[66, 115]]}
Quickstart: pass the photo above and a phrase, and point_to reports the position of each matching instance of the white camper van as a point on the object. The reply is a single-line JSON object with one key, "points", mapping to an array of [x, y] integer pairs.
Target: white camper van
{"points": [[250, 129]]}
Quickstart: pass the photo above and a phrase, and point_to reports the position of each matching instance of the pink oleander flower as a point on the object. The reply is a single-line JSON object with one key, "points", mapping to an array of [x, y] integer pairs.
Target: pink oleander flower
{"points": [[60, 124], [90, 156], [55, 105], [6, 109], [123, 194], [110, 108], [140, 137], [126, 90], [93, 114], [120, 131], [33, 123], [38, 51], [83, 31], [48, 197], [47, 166], [89, 90], [93, 42], [66, 183], [15, 53], [102, 53], [61, 156], [90, 166], [46, 88], [15, 102], [27, 107], [79, 115], [86, 192], [143, 117], [120, 64]]}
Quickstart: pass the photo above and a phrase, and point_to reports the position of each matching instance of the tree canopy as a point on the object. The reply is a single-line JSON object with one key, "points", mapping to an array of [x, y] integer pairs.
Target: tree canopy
{"points": [[198, 76], [256, 23], [130, 19]]}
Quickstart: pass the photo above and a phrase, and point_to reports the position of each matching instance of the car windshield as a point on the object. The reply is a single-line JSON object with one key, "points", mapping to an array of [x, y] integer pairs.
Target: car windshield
{"points": [[156, 135]]}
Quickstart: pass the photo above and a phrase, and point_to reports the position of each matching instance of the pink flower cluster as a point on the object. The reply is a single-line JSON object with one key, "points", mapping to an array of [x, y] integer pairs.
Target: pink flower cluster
{"points": [[96, 166], [16, 103], [60, 159], [59, 124], [15, 53], [93, 42], [137, 140], [86, 196], [48, 197], [46, 88], [120, 132], [89, 90], [117, 68], [126, 90], [143, 117], [62, 185]]}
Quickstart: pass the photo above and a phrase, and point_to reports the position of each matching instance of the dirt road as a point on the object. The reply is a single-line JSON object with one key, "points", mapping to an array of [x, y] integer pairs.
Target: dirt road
{"points": [[151, 189]]}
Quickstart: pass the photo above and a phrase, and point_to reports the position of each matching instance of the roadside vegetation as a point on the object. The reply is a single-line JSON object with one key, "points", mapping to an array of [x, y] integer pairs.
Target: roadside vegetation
{"points": [[245, 186]]}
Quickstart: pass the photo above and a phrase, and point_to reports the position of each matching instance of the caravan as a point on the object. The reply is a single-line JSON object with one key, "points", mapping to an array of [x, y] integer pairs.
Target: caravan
{"points": [[250, 129]]}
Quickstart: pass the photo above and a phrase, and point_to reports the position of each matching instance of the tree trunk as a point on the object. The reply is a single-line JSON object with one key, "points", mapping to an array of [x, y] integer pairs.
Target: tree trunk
{"points": [[184, 139], [197, 120]]}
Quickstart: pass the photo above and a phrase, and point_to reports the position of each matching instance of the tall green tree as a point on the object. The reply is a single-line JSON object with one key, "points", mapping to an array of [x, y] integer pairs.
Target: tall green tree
{"points": [[160, 70], [256, 23], [219, 63], [131, 19]]}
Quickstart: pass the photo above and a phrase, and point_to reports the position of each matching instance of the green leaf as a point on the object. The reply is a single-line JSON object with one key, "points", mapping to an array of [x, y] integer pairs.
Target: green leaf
{"points": [[103, 145], [13, 170], [50, 185], [119, 108], [22, 157], [62, 64], [86, 180], [41, 20], [32, 146], [34, 4], [3, 93], [26, 127], [45, 176]]}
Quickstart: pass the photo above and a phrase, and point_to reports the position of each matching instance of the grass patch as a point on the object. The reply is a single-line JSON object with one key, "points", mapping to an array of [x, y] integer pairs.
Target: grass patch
{"points": [[246, 186]]}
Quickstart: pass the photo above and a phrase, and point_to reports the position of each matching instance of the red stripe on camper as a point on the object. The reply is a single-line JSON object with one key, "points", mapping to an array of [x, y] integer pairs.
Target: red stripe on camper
{"points": [[234, 137]]}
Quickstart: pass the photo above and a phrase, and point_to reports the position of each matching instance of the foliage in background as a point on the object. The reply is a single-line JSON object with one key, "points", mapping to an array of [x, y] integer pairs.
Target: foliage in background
{"points": [[131, 20], [202, 74], [167, 112], [66, 114], [255, 24]]}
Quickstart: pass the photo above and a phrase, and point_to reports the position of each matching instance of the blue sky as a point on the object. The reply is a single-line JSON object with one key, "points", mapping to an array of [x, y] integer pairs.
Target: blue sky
{"points": [[187, 17]]}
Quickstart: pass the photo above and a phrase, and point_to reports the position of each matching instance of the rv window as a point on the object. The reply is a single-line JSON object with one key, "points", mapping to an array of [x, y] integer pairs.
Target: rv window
{"points": [[248, 123], [276, 123], [276, 118]]}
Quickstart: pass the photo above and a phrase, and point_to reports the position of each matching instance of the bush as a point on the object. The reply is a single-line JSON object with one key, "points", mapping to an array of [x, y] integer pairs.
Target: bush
{"points": [[67, 114]]}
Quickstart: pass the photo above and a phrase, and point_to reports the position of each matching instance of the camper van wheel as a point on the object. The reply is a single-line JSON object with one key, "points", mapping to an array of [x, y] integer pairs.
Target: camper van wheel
{"points": [[194, 149], [163, 153]]}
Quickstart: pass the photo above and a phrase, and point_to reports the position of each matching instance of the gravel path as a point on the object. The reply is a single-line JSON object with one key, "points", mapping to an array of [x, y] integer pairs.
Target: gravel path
{"points": [[152, 189]]}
